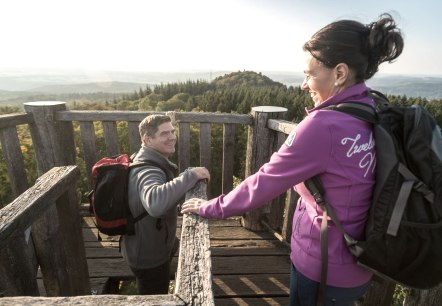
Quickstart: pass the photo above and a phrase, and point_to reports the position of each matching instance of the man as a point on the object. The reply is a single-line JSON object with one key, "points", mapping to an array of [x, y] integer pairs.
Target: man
{"points": [[149, 251]]}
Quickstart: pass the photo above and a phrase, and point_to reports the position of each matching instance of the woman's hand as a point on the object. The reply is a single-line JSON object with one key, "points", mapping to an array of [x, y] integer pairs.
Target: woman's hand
{"points": [[192, 206]]}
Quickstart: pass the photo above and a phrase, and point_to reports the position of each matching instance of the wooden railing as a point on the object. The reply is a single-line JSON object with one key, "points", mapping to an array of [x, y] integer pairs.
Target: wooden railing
{"points": [[63, 262], [25, 245], [51, 128], [109, 120]]}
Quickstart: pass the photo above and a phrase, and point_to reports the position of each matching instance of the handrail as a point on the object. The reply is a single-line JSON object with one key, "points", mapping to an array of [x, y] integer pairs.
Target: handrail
{"points": [[59, 250], [194, 274], [189, 117], [12, 120]]}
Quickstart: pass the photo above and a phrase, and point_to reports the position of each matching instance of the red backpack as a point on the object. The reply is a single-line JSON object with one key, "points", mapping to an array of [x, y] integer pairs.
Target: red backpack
{"points": [[109, 197]]}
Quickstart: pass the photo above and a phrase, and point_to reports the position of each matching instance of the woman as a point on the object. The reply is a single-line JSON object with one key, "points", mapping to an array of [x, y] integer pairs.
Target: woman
{"points": [[334, 146]]}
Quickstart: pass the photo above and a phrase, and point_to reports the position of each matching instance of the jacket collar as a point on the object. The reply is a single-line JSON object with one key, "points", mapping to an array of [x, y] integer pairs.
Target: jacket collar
{"points": [[355, 93], [146, 153]]}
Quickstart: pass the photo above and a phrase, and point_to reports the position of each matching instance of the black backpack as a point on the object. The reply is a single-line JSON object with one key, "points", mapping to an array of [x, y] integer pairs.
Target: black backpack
{"points": [[109, 197], [403, 236]]}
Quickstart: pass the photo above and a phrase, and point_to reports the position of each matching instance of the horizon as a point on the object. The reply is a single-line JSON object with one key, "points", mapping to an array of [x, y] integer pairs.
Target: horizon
{"points": [[173, 36]]}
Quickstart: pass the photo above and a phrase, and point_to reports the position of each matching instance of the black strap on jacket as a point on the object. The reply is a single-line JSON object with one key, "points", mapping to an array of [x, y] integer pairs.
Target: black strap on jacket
{"points": [[314, 186]]}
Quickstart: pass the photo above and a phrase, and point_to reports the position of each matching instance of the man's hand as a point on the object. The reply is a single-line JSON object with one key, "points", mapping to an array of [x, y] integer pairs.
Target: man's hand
{"points": [[202, 173], [171, 114]]}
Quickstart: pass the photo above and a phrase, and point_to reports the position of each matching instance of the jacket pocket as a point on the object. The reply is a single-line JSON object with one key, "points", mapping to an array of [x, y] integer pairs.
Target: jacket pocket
{"points": [[297, 224]]}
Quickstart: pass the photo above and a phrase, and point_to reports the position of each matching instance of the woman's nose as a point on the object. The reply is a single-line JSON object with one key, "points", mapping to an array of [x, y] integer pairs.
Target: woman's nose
{"points": [[304, 85]]}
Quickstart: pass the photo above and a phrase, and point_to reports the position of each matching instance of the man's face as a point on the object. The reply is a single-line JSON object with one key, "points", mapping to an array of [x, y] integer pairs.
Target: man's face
{"points": [[164, 139]]}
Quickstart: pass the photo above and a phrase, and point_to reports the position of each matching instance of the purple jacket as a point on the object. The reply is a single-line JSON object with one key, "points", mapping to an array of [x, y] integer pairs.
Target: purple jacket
{"points": [[338, 148]]}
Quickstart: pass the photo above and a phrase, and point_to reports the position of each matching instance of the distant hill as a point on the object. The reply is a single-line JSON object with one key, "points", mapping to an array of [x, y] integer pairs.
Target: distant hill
{"points": [[249, 78], [19, 86], [411, 86], [109, 87]]}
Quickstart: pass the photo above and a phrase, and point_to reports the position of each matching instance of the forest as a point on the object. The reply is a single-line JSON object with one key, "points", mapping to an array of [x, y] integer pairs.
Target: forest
{"points": [[235, 92]]}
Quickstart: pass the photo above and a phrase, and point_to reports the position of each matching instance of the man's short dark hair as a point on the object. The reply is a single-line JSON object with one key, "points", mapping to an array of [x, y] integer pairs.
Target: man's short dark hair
{"points": [[149, 125]]}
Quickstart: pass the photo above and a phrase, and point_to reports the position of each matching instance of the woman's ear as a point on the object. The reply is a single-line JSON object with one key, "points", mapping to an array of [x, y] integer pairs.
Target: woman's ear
{"points": [[341, 73]]}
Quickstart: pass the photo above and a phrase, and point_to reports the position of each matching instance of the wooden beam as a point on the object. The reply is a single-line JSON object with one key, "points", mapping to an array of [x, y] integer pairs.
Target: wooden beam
{"points": [[194, 274]]}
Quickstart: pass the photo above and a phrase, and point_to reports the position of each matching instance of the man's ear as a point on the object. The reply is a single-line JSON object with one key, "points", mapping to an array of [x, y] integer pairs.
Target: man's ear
{"points": [[341, 73], [146, 139]]}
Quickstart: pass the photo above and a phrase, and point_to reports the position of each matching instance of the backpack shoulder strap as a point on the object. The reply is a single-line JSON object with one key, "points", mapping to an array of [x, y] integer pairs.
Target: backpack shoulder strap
{"points": [[314, 186], [133, 165], [154, 164], [358, 110]]}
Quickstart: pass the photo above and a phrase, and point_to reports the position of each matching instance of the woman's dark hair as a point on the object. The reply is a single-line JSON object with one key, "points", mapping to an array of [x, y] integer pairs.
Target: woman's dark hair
{"points": [[362, 47]]}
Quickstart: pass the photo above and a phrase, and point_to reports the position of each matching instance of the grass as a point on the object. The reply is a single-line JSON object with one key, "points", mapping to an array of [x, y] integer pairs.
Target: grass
{"points": [[129, 287]]}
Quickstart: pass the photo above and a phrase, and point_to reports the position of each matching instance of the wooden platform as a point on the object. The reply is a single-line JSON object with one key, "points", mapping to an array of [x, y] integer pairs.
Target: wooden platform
{"points": [[249, 268]]}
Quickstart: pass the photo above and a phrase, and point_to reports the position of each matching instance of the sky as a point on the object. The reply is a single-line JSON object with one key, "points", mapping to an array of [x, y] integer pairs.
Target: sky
{"points": [[200, 35]]}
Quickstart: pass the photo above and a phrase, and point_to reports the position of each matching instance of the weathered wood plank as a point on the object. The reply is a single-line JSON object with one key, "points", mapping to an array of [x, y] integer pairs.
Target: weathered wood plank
{"points": [[109, 267], [259, 149], [237, 233], [228, 157], [206, 149], [102, 252], [244, 265], [238, 243], [87, 132], [28, 209], [281, 125], [194, 273], [246, 301], [17, 268], [112, 251], [99, 300], [251, 285], [14, 160], [73, 245], [88, 221], [183, 147], [189, 117], [111, 137], [216, 233], [100, 244], [290, 205], [134, 136], [245, 243], [249, 251], [53, 140], [12, 120], [205, 145], [22, 212]]}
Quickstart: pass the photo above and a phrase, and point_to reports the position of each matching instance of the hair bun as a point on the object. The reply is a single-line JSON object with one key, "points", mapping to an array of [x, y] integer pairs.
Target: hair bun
{"points": [[384, 43]]}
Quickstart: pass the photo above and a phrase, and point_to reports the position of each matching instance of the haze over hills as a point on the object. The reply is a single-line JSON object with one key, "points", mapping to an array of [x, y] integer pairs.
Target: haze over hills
{"points": [[17, 86]]}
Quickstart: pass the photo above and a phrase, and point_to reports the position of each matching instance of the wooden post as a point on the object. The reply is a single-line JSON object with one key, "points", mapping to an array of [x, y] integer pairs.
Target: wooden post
{"points": [[276, 215], [73, 244], [183, 146], [259, 144], [289, 210], [205, 149], [17, 269], [431, 296], [54, 146], [228, 156], [14, 160], [380, 293], [53, 140]]}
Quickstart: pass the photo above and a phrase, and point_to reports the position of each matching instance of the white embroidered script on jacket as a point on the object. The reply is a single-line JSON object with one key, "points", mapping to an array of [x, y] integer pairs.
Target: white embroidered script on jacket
{"points": [[368, 160]]}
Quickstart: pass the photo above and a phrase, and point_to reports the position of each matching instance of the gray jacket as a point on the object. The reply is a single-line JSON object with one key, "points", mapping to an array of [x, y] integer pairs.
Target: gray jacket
{"points": [[149, 191]]}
